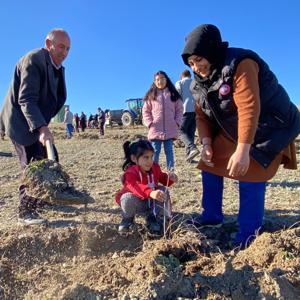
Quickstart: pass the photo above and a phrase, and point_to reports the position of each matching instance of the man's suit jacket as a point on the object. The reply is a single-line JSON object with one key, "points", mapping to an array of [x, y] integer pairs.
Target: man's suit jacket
{"points": [[32, 99]]}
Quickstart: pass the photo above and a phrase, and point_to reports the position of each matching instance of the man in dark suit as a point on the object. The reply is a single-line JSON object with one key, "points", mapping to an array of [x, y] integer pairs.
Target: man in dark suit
{"points": [[36, 94]]}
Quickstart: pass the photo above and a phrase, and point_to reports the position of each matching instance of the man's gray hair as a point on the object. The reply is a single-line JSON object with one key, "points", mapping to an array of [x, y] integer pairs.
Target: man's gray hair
{"points": [[51, 34]]}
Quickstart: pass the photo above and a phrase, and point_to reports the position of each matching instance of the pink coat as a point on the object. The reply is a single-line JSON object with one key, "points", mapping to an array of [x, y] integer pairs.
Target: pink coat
{"points": [[162, 116]]}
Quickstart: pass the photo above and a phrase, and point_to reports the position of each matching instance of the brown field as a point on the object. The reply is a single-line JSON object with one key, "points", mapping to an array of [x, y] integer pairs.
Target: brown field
{"points": [[80, 255]]}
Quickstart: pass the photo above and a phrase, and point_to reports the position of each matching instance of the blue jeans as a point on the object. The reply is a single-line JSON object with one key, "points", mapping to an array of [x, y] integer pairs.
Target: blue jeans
{"points": [[168, 147], [251, 211], [69, 130]]}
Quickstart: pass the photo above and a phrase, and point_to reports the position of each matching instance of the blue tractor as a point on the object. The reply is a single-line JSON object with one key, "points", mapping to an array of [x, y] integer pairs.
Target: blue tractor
{"points": [[133, 113]]}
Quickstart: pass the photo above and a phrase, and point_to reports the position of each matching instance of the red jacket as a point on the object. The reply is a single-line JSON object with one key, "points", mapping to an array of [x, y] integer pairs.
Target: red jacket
{"points": [[142, 184]]}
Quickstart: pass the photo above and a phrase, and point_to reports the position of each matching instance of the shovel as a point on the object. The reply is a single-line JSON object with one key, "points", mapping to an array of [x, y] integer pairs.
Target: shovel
{"points": [[50, 150]]}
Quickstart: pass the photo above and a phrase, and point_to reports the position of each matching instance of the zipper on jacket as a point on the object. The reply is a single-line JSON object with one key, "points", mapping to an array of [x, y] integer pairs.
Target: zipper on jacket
{"points": [[277, 118], [219, 123], [164, 117], [151, 184]]}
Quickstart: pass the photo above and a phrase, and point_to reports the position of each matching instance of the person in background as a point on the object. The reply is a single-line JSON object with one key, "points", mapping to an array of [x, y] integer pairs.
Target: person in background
{"points": [[83, 121], [188, 126], [36, 95], [76, 121], [247, 126], [101, 120], [90, 122], [162, 114], [68, 120], [141, 193]]}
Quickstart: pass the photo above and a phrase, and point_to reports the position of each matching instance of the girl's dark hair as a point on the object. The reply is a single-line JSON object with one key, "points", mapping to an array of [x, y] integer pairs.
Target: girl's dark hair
{"points": [[152, 92], [136, 148]]}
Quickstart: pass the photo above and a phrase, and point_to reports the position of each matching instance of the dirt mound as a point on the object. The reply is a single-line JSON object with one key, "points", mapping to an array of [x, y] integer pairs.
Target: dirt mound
{"points": [[68, 258], [46, 180], [278, 254], [268, 269], [38, 256], [65, 264], [80, 255]]}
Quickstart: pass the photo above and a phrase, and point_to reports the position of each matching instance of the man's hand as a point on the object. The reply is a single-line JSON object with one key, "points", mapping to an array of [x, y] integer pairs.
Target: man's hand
{"points": [[239, 161], [45, 134], [158, 195]]}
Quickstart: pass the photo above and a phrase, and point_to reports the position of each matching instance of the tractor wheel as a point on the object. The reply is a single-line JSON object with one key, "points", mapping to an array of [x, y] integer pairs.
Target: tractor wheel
{"points": [[127, 119]]}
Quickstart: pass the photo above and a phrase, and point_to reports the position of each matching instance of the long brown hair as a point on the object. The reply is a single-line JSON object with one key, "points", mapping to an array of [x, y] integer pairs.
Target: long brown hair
{"points": [[152, 92]]}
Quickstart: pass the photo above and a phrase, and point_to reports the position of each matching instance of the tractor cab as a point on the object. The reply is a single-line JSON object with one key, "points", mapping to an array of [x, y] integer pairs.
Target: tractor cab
{"points": [[133, 113]]}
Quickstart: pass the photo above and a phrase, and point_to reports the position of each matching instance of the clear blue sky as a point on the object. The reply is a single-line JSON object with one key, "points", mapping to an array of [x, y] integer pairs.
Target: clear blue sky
{"points": [[117, 46]]}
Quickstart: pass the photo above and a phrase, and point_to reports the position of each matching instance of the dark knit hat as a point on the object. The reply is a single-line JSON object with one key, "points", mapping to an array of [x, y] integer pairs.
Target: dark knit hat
{"points": [[205, 41]]}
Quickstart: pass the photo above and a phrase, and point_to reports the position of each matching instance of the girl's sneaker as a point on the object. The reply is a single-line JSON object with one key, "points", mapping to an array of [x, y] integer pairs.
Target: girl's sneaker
{"points": [[125, 224]]}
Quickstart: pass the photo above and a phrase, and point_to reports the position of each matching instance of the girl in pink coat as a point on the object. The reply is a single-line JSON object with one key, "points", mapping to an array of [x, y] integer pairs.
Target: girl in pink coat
{"points": [[162, 114]]}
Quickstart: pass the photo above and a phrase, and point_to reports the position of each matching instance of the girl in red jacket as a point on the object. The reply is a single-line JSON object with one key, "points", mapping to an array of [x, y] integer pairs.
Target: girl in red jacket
{"points": [[140, 192]]}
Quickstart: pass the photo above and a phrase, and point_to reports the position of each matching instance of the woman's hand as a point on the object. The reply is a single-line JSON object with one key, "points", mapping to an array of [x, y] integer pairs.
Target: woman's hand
{"points": [[239, 161], [207, 154], [173, 177], [158, 195]]}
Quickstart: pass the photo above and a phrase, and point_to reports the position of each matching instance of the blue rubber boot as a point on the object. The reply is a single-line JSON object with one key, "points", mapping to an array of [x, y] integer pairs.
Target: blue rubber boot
{"points": [[212, 198], [212, 215], [251, 212]]}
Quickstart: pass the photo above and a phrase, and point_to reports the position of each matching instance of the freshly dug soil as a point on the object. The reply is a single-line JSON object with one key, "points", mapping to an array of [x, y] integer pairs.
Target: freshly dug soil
{"points": [[46, 180], [80, 255]]}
